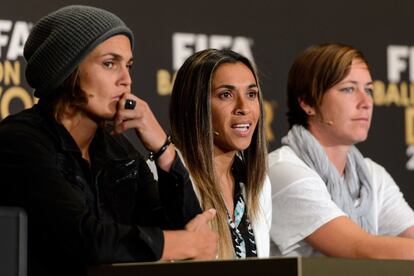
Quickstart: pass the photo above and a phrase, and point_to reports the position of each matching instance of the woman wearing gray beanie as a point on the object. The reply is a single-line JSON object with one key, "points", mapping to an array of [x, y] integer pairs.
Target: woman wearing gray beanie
{"points": [[89, 195]]}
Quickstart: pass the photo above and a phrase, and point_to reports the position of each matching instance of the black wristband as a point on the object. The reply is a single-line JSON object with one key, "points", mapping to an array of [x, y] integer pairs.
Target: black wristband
{"points": [[155, 155]]}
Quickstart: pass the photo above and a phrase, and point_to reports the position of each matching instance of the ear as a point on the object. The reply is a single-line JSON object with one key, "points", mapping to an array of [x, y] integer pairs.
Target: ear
{"points": [[310, 110]]}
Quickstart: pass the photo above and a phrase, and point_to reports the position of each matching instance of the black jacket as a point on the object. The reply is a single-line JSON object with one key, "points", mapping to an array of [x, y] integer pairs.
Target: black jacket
{"points": [[81, 214]]}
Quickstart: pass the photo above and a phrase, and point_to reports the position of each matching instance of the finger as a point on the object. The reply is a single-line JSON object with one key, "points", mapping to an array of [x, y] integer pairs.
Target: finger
{"points": [[126, 100], [126, 114], [201, 220], [209, 214], [121, 126], [117, 128], [196, 223], [130, 104]]}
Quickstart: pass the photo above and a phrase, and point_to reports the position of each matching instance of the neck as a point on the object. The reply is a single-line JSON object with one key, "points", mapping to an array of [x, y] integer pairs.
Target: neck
{"points": [[82, 129], [222, 169], [223, 161], [337, 153], [338, 156]]}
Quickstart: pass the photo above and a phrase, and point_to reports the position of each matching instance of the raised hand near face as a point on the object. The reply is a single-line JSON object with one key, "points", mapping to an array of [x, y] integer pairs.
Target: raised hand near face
{"points": [[135, 113]]}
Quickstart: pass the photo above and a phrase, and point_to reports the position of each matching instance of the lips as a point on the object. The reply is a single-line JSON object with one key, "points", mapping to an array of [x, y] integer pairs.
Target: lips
{"points": [[361, 119], [118, 97], [241, 129], [241, 126]]}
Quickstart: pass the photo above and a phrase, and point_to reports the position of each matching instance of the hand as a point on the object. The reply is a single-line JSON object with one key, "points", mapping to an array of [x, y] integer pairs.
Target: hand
{"points": [[196, 241], [142, 120], [148, 130], [205, 240]]}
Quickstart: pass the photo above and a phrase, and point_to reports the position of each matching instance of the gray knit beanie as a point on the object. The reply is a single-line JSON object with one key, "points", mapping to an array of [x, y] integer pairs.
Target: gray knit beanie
{"points": [[61, 40]]}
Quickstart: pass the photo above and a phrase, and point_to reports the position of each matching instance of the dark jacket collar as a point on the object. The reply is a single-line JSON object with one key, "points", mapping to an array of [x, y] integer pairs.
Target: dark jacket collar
{"points": [[104, 147]]}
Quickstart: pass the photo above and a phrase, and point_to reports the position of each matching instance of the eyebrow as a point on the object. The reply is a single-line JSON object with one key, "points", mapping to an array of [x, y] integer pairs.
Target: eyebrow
{"points": [[116, 56], [355, 82], [229, 86]]}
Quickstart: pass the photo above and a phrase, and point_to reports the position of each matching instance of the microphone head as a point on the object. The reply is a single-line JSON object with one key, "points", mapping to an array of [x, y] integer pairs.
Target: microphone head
{"points": [[329, 123]]}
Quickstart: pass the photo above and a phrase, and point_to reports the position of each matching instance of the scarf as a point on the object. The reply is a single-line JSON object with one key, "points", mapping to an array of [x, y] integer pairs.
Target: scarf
{"points": [[353, 193]]}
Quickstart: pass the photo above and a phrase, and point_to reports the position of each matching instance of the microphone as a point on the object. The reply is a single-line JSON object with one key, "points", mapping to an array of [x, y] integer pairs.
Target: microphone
{"points": [[327, 122], [216, 133]]}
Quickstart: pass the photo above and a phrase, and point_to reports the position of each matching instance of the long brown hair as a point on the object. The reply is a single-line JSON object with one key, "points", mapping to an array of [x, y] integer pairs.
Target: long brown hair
{"points": [[190, 117]]}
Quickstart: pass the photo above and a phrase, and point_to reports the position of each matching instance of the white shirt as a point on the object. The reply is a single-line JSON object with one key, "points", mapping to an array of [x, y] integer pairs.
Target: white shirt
{"points": [[261, 225], [302, 203]]}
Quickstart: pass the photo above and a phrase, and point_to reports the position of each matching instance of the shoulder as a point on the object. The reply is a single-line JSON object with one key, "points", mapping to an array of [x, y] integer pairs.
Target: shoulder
{"points": [[285, 157], [27, 120], [380, 177], [282, 154], [27, 128], [28, 140], [286, 169], [382, 181], [374, 168]]}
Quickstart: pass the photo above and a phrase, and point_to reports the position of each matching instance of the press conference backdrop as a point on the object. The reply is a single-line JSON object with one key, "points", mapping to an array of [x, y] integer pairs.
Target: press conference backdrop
{"points": [[271, 33]]}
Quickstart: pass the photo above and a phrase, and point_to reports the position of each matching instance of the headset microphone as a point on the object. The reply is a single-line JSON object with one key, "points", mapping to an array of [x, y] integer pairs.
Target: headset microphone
{"points": [[328, 122]]}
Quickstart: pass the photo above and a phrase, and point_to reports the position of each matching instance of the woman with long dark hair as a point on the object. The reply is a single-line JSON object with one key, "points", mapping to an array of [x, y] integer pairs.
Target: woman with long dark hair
{"points": [[216, 116]]}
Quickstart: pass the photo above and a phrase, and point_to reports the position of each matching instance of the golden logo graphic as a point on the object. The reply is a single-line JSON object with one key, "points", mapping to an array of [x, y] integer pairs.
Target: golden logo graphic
{"points": [[399, 91], [10, 87], [13, 35]]}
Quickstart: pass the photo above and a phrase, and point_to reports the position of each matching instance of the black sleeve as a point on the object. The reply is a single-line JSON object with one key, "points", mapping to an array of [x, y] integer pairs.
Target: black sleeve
{"points": [[177, 194], [172, 201]]}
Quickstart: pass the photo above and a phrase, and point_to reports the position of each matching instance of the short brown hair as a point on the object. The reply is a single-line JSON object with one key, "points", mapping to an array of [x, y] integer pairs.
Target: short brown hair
{"points": [[314, 71]]}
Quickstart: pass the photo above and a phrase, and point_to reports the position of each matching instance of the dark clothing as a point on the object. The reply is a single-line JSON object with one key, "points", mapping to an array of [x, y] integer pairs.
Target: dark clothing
{"points": [[240, 227], [81, 213]]}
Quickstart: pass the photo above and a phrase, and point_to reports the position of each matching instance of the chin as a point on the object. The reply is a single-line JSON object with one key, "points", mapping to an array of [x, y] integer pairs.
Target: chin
{"points": [[360, 139], [242, 147], [108, 116]]}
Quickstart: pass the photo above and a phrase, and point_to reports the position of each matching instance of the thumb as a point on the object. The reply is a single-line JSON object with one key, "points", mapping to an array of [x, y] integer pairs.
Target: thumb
{"points": [[201, 220], [209, 214]]}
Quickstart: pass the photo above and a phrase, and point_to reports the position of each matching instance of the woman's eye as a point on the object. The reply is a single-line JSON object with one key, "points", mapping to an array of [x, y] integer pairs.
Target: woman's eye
{"points": [[369, 91], [129, 66], [252, 94], [108, 64], [224, 95], [347, 89]]}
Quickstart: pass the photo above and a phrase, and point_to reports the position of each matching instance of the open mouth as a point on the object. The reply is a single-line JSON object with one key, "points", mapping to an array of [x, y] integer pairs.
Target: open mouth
{"points": [[241, 127]]}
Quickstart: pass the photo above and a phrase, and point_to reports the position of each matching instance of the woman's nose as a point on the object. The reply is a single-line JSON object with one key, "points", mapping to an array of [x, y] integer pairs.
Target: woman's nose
{"points": [[242, 106]]}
